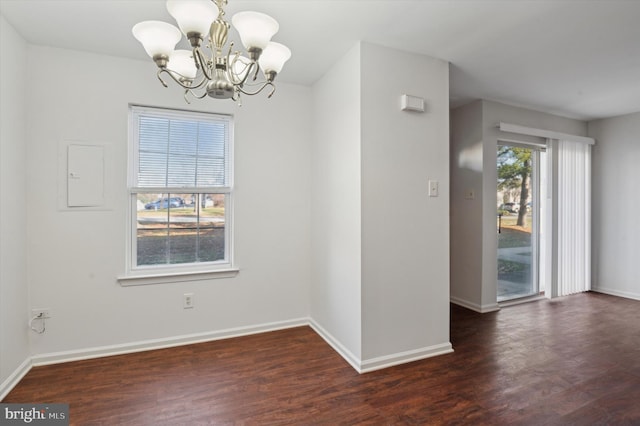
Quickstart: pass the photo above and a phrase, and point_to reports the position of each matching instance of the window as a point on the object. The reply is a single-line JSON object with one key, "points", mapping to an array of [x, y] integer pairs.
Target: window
{"points": [[180, 188]]}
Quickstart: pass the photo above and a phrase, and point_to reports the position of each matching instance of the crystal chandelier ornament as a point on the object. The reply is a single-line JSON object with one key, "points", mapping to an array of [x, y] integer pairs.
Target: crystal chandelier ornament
{"points": [[210, 68]]}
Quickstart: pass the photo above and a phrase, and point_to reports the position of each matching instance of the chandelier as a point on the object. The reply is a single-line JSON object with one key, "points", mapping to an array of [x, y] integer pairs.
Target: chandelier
{"points": [[209, 68]]}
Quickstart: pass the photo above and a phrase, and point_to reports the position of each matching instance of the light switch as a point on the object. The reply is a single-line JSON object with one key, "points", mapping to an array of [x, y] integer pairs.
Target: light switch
{"points": [[433, 188]]}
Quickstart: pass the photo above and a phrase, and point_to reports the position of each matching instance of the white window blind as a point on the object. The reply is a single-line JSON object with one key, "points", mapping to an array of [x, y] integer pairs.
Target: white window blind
{"points": [[181, 150], [573, 217]]}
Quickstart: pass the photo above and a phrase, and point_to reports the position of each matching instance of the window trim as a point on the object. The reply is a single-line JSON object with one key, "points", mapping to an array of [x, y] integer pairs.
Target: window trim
{"points": [[170, 273], [176, 276]]}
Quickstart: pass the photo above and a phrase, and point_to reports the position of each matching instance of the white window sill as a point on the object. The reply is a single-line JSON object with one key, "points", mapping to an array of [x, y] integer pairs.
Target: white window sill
{"points": [[176, 277]]}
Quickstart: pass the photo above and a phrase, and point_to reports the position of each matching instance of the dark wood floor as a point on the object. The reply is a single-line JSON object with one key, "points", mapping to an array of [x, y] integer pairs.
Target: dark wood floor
{"points": [[574, 361]]}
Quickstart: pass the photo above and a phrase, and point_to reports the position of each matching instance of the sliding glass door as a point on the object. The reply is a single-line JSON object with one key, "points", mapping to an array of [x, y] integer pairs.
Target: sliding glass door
{"points": [[517, 221]]}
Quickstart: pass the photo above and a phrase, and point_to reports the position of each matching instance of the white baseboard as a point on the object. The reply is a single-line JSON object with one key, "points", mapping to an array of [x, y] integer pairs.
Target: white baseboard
{"points": [[348, 356], [373, 364], [147, 345], [379, 363], [483, 309], [612, 292], [15, 377]]}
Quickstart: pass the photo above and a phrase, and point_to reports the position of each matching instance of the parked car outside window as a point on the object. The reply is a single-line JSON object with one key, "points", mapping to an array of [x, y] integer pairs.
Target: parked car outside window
{"points": [[510, 207], [164, 203]]}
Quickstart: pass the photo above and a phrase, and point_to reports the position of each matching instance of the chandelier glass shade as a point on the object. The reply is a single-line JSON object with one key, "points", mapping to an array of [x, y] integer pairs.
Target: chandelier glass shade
{"points": [[211, 68]]}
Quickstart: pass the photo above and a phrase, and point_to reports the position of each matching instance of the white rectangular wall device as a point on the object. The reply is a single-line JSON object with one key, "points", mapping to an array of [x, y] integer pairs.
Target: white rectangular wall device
{"points": [[411, 103], [85, 175]]}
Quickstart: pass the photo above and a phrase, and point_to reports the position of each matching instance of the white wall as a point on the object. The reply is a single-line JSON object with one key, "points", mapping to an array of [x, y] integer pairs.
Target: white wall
{"points": [[615, 205], [492, 114], [380, 292], [14, 337], [466, 210], [405, 233], [336, 211], [75, 256]]}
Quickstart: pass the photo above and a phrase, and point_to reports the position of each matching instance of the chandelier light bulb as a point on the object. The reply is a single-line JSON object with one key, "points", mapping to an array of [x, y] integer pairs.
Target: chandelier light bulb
{"points": [[157, 38], [181, 61], [255, 29], [273, 57], [193, 16]]}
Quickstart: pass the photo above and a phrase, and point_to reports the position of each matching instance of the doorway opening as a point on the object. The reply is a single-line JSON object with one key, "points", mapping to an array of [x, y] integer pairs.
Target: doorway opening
{"points": [[518, 217]]}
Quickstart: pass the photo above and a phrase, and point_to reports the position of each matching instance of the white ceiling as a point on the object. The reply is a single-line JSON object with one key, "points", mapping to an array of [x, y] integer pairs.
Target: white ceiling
{"points": [[574, 58]]}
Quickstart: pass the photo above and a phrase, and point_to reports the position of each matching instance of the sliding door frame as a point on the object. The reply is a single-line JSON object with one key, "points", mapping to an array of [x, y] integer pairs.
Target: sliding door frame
{"points": [[536, 210]]}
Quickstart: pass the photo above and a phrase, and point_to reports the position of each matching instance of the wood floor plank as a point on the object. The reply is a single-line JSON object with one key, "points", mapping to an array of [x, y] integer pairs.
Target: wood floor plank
{"points": [[575, 360]]}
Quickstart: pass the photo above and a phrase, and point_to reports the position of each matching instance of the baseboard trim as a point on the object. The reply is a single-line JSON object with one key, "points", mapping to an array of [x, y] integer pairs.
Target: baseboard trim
{"points": [[379, 363], [148, 345], [386, 361], [346, 354], [15, 377], [483, 309], [612, 292]]}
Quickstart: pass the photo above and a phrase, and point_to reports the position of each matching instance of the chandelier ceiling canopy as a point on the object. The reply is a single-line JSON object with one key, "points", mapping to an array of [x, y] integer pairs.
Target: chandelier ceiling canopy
{"points": [[211, 68]]}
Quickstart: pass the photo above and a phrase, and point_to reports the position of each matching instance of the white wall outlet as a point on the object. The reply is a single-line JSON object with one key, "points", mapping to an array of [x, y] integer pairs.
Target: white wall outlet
{"points": [[187, 301], [41, 313], [433, 188]]}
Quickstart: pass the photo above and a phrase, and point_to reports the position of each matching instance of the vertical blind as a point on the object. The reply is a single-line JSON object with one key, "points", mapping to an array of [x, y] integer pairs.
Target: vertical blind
{"points": [[574, 217]]}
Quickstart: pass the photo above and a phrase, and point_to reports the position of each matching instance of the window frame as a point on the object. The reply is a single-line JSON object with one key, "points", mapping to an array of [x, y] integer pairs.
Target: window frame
{"points": [[161, 273]]}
